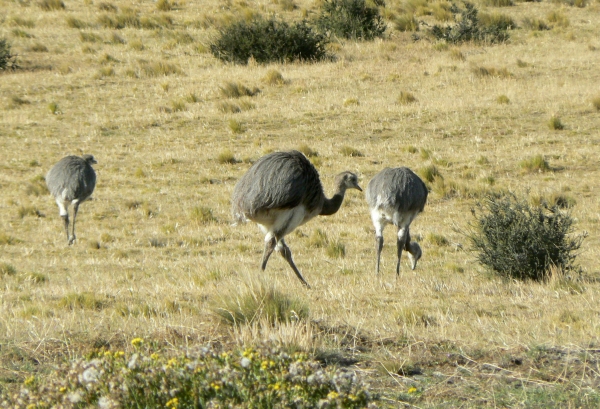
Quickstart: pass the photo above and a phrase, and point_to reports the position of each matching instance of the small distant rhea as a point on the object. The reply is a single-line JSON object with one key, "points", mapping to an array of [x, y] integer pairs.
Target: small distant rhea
{"points": [[71, 181]]}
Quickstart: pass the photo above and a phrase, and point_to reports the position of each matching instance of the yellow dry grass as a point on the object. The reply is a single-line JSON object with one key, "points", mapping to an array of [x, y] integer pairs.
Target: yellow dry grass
{"points": [[146, 265]]}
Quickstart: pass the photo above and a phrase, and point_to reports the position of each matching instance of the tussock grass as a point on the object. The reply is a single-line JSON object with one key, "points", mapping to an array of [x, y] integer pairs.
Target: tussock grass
{"points": [[49, 5], [236, 126], [308, 151], [558, 18], [88, 37], [21, 21], [480, 71], [456, 54], [406, 22], [260, 302], [6, 239], [536, 163], [405, 98], [7, 270], [429, 173], [19, 33], [38, 48], [237, 90], [106, 6], [534, 24], [226, 157], [164, 5], [73, 22], [351, 152], [85, 300], [555, 123], [159, 68], [502, 99], [596, 103], [228, 107], [336, 249]]}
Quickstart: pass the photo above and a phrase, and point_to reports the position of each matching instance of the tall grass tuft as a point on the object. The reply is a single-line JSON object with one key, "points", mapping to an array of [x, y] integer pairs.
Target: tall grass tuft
{"points": [[536, 163], [555, 123], [202, 215], [49, 5], [260, 302], [226, 157], [273, 77], [351, 152], [406, 98], [237, 90]]}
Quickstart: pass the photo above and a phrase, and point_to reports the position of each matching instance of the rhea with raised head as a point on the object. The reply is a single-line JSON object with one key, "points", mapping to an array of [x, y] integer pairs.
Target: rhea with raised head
{"points": [[282, 191], [396, 196]]}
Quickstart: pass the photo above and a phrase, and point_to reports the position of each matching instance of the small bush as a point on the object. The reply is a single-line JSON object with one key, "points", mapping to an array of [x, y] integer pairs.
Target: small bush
{"points": [[7, 60], [49, 5], [519, 241], [351, 19], [268, 41], [467, 28], [207, 377], [263, 302]]}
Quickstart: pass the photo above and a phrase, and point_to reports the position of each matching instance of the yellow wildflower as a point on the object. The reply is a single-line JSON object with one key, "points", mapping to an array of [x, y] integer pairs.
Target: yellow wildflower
{"points": [[119, 354], [173, 403], [29, 380], [332, 395], [171, 362], [155, 356], [247, 353], [136, 342], [215, 386], [271, 364], [264, 364], [412, 389], [62, 389]]}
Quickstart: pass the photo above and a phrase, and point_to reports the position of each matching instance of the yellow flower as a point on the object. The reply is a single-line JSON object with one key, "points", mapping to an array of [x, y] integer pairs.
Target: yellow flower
{"points": [[264, 364], [215, 386], [154, 356], [62, 389], [119, 354], [247, 353], [173, 403], [412, 389], [107, 353], [276, 386], [271, 364], [29, 380], [171, 362], [136, 342], [332, 395]]}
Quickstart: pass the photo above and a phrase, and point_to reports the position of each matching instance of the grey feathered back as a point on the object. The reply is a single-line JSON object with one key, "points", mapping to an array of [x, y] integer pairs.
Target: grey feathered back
{"points": [[72, 178], [397, 188], [279, 180]]}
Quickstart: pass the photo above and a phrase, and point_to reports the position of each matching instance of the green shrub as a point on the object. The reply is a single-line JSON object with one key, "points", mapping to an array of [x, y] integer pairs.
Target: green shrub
{"points": [[7, 60], [351, 19], [467, 28], [268, 41], [520, 241], [206, 377]]}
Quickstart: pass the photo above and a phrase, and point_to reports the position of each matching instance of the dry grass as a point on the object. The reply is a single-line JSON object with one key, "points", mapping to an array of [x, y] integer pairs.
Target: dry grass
{"points": [[156, 268]]}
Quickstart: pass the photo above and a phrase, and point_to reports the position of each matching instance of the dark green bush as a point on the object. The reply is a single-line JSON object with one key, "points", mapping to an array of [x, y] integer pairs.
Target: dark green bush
{"points": [[467, 28], [202, 378], [268, 41], [521, 241], [7, 60], [351, 19]]}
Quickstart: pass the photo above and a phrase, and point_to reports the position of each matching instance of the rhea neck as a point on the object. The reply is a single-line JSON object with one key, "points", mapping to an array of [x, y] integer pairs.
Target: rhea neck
{"points": [[332, 205]]}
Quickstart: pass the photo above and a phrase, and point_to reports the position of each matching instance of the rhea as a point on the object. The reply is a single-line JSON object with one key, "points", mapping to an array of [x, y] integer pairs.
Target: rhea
{"points": [[282, 191], [396, 196], [71, 181]]}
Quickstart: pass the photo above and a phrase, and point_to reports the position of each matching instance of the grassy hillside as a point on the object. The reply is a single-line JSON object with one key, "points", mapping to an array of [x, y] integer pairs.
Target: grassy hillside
{"points": [[135, 85]]}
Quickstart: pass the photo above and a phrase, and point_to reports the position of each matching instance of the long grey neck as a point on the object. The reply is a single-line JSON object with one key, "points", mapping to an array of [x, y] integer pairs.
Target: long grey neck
{"points": [[330, 206]]}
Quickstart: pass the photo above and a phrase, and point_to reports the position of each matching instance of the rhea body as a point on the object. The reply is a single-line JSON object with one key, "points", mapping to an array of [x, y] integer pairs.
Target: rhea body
{"points": [[282, 191], [71, 181], [396, 196]]}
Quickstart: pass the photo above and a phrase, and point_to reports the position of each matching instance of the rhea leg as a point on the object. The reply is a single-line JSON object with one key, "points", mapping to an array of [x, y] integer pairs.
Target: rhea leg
{"points": [[402, 243], [63, 210], [75, 209], [270, 242], [286, 253], [378, 247]]}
